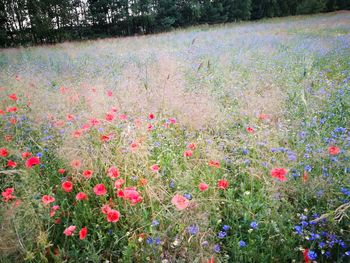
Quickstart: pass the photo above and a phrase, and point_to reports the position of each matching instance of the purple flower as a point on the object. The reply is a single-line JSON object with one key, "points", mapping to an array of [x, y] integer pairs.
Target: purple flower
{"points": [[222, 234], [192, 229], [242, 243], [217, 248], [254, 225], [312, 255]]}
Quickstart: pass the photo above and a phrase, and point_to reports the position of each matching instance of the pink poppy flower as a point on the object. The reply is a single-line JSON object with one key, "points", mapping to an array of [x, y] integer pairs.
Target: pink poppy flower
{"points": [[100, 189], [180, 202], [113, 216], [69, 230], [47, 199], [113, 172], [203, 187], [32, 161], [81, 196]]}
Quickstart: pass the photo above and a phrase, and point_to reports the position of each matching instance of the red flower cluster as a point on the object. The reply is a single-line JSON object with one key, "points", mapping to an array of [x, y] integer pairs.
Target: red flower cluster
{"points": [[279, 173]]}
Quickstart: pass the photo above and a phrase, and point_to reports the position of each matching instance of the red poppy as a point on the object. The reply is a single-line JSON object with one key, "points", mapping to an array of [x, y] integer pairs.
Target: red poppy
{"points": [[82, 233], [53, 210], [118, 183], [11, 164], [250, 129], [106, 138], [133, 146], [123, 117], [81, 196], [333, 150], [191, 146], [77, 133], [70, 117], [67, 186], [263, 116], [203, 187], [25, 155], [143, 181], [32, 161], [149, 127], [61, 171], [305, 255], [47, 199], [155, 167], [94, 122], [88, 173], [109, 93], [151, 116], [13, 97], [100, 189], [3, 152], [109, 117], [188, 153], [105, 209], [132, 195], [279, 173], [75, 164], [113, 172], [213, 163], [11, 109], [69, 230], [13, 120], [305, 177], [7, 194], [113, 216], [223, 184]]}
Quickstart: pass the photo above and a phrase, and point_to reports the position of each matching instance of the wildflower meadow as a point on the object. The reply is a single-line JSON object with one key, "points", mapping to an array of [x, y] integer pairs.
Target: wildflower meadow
{"points": [[226, 143]]}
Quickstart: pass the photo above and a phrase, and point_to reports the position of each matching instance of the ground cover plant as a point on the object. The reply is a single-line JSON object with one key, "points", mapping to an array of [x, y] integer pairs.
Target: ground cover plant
{"points": [[210, 144]]}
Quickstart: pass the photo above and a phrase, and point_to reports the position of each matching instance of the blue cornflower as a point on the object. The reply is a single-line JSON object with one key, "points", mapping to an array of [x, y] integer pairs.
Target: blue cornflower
{"points": [[217, 248], [245, 151], [155, 223], [345, 191], [242, 243], [312, 255], [308, 168], [188, 196], [254, 225], [157, 241], [304, 223], [172, 184], [39, 154], [149, 240], [298, 229], [322, 244], [110, 232], [314, 236], [205, 243], [226, 227], [222, 234], [192, 229]]}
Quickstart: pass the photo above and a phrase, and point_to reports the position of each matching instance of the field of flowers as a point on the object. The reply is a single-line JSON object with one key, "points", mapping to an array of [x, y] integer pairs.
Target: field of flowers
{"points": [[225, 143]]}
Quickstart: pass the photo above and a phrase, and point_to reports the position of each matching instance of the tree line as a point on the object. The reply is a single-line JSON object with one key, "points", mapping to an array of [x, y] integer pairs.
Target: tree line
{"points": [[30, 22]]}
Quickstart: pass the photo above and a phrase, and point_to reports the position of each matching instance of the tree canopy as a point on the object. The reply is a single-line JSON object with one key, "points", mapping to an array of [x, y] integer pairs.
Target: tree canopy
{"points": [[30, 22]]}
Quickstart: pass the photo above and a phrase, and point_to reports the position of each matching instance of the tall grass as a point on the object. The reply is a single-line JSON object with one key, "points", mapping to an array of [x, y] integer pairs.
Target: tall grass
{"points": [[221, 107]]}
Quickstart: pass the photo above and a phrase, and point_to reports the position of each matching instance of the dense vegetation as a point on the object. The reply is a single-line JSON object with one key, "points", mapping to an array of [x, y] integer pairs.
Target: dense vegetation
{"points": [[24, 22]]}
